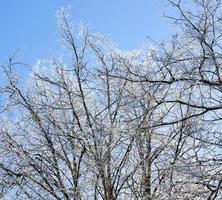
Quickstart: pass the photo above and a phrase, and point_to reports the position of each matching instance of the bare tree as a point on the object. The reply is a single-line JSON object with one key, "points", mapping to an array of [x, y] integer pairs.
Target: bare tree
{"points": [[101, 123], [187, 75]]}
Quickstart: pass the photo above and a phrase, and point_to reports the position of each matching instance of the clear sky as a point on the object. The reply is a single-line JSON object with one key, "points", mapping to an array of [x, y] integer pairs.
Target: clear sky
{"points": [[31, 24]]}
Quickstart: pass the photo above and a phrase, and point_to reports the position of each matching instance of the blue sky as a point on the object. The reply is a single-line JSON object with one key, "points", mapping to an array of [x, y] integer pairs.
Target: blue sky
{"points": [[31, 24]]}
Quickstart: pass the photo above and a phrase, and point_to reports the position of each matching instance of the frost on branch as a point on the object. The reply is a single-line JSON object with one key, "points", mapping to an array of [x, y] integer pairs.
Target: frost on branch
{"points": [[102, 123]]}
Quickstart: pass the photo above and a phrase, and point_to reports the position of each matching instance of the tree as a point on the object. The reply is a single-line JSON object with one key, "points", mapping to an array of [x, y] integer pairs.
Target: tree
{"points": [[101, 123]]}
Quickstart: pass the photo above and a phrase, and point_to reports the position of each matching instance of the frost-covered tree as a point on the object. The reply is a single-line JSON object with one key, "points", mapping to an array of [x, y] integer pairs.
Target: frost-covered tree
{"points": [[101, 123]]}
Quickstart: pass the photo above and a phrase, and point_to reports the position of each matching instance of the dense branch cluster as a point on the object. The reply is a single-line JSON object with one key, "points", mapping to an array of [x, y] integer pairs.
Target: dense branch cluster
{"points": [[100, 123]]}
